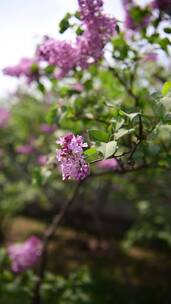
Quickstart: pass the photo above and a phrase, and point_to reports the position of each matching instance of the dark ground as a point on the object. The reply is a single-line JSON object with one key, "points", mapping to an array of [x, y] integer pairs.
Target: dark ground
{"points": [[141, 275]]}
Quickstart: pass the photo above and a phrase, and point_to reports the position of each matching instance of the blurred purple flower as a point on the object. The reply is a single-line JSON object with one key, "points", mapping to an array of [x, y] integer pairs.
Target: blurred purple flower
{"points": [[150, 57], [47, 128], [4, 117], [108, 164], [25, 255], [58, 53], [98, 29], [90, 8], [77, 87], [23, 68], [25, 149], [42, 160], [71, 159]]}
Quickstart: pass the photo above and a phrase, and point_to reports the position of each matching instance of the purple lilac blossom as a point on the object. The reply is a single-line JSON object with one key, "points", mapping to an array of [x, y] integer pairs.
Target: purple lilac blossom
{"points": [[96, 35], [23, 68], [42, 160], [47, 128], [25, 255], [58, 53], [88, 48], [108, 164], [90, 8], [71, 159], [26, 149], [4, 117]]}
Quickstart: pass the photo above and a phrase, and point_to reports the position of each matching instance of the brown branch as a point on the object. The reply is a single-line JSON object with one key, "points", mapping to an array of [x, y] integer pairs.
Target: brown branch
{"points": [[126, 170], [47, 236]]}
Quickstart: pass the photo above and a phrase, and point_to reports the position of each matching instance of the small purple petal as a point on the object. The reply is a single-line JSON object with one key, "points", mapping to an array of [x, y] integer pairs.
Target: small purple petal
{"points": [[110, 164], [25, 149]]}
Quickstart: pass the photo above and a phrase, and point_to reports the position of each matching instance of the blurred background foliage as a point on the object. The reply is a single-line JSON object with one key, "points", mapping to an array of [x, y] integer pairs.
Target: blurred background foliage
{"points": [[115, 242]]}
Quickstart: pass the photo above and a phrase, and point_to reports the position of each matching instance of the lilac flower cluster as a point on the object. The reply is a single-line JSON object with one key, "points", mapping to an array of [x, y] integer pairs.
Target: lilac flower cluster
{"points": [[98, 29], [71, 159], [90, 8], [58, 53], [4, 117], [23, 68], [25, 255], [130, 22]]}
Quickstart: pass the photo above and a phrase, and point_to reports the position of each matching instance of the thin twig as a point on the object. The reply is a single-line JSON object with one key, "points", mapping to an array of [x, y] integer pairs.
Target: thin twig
{"points": [[47, 236], [126, 170]]}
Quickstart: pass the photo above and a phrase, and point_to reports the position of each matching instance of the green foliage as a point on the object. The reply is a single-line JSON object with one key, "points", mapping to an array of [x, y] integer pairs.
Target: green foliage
{"points": [[57, 289], [152, 226], [64, 23], [123, 110], [108, 149], [97, 135], [166, 87]]}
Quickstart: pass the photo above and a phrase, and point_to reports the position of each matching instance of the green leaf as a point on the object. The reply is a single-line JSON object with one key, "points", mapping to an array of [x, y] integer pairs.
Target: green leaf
{"points": [[119, 123], [52, 115], [49, 69], [108, 149], [167, 30], [79, 31], [77, 15], [37, 177], [164, 43], [157, 105], [90, 151], [92, 155], [64, 24], [98, 135], [131, 116], [34, 68], [122, 132], [166, 88], [41, 87]]}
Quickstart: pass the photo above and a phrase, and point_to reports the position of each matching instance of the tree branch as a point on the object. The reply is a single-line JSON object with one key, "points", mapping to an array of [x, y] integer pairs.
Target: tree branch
{"points": [[126, 170], [47, 236]]}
